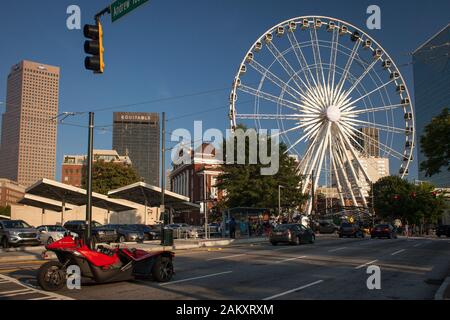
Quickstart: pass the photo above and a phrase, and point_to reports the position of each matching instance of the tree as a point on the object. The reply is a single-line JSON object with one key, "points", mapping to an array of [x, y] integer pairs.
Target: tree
{"points": [[398, 198], [5, 211], [435, 144], [244, 186], [107, 176]]}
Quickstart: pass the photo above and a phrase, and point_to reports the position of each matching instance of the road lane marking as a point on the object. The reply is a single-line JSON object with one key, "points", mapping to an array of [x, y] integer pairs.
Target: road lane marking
{"points": [[226, 257], [397, 252], [337, 249], [365, 264], [195, 278], [33, 290], [290, 259], [293, 290], [416, 245]]}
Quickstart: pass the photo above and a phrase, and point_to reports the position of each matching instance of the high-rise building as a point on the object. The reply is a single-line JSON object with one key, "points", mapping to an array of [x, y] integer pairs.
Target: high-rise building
{"points": [[432, 91], [368, 141], [28, 142], [73, 165], [137, 135]]}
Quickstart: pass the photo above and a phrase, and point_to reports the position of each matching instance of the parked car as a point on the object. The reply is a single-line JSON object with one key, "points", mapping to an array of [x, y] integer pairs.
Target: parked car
{"points": [[126, 233], [327, 227], [16, 233], [443, 230], [51, 233], [384, 231], [182, 230], [292, 234], [350, 230], [98, 232], [150, 232]]}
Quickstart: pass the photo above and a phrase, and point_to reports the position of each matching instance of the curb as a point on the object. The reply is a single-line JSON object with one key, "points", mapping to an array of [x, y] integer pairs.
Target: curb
{"points": [[440, 293]]}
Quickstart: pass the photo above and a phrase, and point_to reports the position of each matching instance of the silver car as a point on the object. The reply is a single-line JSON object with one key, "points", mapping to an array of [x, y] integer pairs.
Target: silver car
{"points": [[16, 233], [51, 233]]}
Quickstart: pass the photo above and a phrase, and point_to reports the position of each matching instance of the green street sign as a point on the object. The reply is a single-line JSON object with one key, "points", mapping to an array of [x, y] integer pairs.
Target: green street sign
{"points": [[121, 7]]}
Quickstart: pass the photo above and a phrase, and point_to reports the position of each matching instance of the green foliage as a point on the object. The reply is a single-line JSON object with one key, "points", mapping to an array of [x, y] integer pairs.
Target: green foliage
{"points": [[107, 176], [5, 211], [397, 198], [435, 144], [244, 185]]}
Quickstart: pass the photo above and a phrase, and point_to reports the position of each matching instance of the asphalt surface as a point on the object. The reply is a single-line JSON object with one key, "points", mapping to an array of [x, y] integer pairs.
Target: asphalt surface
{"points": [[332, 268]]}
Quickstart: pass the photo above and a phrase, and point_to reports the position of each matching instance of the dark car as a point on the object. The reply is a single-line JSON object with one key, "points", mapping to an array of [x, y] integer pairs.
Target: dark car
{"points": [[126, 233], [149, 232], [350, 230], [16, 233], [443, 230], [292, 234], [327, 227], [384, 231], [99, 233]]}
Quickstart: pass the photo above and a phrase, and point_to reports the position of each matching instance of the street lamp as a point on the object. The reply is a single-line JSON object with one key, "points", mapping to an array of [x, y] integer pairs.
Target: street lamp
{"points": [[279, 199]]}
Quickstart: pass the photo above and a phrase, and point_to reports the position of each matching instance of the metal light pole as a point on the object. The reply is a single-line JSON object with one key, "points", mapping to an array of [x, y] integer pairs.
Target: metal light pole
{"points": [[163, 158], [89, 178], [279, 199], [313, 194], [205, 204]]}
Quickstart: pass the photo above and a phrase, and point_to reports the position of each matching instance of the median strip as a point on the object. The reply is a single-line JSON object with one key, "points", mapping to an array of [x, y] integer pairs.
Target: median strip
{"points": [[195, 278], [365, 264], [226, 257], [397, 252], [293, 290]]}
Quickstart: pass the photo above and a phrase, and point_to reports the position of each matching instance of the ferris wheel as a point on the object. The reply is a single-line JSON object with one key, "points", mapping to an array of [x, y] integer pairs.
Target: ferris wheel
{"points": [[338, 100]]}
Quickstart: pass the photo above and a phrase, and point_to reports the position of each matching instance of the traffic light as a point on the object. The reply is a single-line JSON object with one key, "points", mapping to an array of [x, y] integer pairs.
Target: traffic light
{"points": [[94, 47]]}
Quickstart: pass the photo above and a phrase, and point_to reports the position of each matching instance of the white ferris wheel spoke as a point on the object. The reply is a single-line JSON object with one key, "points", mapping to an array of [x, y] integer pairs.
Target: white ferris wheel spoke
{"points": [[363, 75], [348, 66], [386, 148], [371, 110], [333, 56], [367, 94], [334, 170], [322, 155], [391, 129], [274, 79], [301, 58], [285, 64], [260, 116], [269, 97], [316, 54]]}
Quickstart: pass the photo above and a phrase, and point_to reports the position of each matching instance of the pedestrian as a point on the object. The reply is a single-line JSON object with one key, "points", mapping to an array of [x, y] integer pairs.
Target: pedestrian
{"points": [[232, 226], [406, 229]]}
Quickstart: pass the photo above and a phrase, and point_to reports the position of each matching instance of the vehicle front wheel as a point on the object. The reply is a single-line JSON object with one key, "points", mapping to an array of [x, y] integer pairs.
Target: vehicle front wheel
{"points": [[121, 239], [162, 270], [51, 276], [50, 240]]}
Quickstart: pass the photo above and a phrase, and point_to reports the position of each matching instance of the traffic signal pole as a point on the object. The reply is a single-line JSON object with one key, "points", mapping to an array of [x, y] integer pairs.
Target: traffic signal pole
{"points": [[163, 187], [89, 178]]}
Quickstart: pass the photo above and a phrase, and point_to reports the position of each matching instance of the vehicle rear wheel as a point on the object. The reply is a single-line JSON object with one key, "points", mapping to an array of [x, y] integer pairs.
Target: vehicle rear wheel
{"points": [[5, 243], [122, 239], [50, 240], [162, 270], [51, 276]]}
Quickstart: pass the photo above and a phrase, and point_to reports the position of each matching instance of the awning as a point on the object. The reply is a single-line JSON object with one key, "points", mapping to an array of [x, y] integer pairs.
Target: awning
{"points": [[149, 195], [69, 194], [43, 203]]}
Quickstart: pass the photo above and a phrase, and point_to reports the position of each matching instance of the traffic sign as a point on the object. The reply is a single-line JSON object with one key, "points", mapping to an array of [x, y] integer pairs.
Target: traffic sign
{"points": [[120, 8]]}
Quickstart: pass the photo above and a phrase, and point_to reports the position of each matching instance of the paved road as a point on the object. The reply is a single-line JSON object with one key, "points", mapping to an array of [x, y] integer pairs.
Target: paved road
{"points": [[332, 268]]}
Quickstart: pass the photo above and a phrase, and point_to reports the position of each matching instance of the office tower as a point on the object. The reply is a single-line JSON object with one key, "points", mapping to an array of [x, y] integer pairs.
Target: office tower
{"points": [[431, 66], [28, 141], [368, 142], [137, 135]]}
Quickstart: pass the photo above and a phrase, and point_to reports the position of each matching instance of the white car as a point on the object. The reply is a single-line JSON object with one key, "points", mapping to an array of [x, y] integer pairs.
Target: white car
{"points": [[52, 233]]}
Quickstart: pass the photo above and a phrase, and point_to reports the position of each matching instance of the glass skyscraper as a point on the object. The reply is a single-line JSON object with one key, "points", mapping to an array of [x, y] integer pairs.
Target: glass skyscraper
{"points": [[137, 135], [431, 63]]}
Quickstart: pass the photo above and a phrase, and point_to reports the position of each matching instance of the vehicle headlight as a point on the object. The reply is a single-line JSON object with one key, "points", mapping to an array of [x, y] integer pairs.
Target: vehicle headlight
{"points": [[14, 233]]}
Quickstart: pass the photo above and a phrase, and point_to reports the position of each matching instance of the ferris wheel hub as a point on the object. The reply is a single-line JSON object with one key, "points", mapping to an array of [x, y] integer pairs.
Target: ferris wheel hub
{"points": [[333, 113]]}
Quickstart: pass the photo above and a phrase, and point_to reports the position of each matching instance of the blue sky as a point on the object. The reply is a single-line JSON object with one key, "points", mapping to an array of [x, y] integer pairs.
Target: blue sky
{"points": [[176, 48]]}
